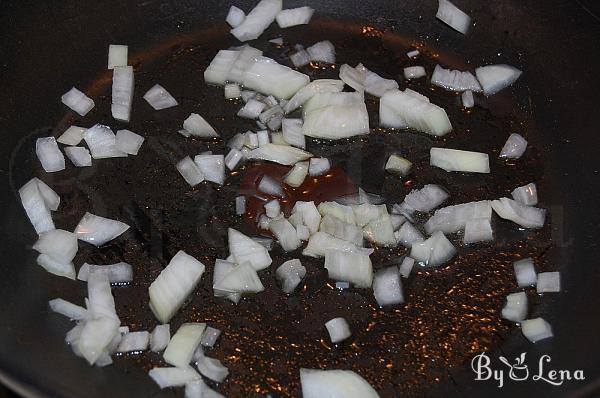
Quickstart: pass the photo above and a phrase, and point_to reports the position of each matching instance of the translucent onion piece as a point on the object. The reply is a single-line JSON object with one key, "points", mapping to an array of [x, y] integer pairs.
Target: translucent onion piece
{"points": [[309, 213], [494, 78], [343, 212], [35, 206], [122, 92], [59, 244], [525, 216], [297, 175], [320, 243], [366, 212], [239, 279], [515, 308], [210, 336], [77, 101], [174, 377], [427, 198], [72, 136], [387, 286], [354, 267], [190, 171], [221, 269], [212, 369], [381, 231], [160, 337], [406, 266], [218, 70], [272, 208], [294, 16], [318, 166], [375, 84], [282, 154], [434, 251], [334, 384], [514, 147], [300, 58], [240, 205], [134, 341], [536, 329], [527, 194], [455, 80], [285, 233], [159, 98], [337, 121], [457, 160], [548, 282], [454, 218], [453, 17], [49, 154], [323, 51], [233, 158], [181, 348], [68, 309], [292, 132], [59, 268], [79, 156], [525, 272], [258, 20], [232, 91], [313, 88], [245, 59], [116, 273], [290, 273], [212, 167], [478, 230], [96, 336], [268, 77], [467, 99], [98, 230], [197, 126], [398, 165], [338, 329], [117, 55], [102, 142], [129, 142], [414, 72], [244, 249], [339, 229], [235, 17]]}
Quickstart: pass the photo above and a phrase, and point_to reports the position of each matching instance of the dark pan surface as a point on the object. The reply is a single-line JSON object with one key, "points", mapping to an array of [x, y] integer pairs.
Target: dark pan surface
{"points": [[451, 312]]}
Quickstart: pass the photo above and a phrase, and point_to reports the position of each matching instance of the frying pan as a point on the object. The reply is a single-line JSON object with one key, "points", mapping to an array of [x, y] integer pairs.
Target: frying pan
{"points": [[46, 47]]}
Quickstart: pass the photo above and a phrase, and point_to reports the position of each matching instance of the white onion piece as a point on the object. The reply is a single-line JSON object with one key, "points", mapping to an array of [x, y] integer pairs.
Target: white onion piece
{"points": [[458, 160], [190, 171], [290, 273], [478, 230], [300, 58], [434, 251], [406, 266], [77, 101], [525, 272], [536, 329], [467, 99], [212, 167], [320, 243], [515, 308], [240, 279], [292, 132], [116, 273], [68, 309], [250, 140], [302, 232], [398, 165], [232, 91], [122, 92], [527, 194], [101, 302], [49, 154], [413, 54], [252, 109], [266, 242], [272, 117], [174, 284], [79, 156], [233, 158], [339, 229], [96, 336], [240, 205], [414, 72], [313, 88], [134, 341], [247, 56], [354, 267], [366, 212], [72, 136], [129, 142], [353, 77], [245, 249], [454, 218], [285, 233], [455, 80], [218, 70], [323, 51], [381, 231], [58, 268], [327, 99], [98, 230], [160, 337], [282, 154], [102, 142], [407, 109], [235, 17], [494, 78], [51, 198], [297, 174], [59, 244], [270, 186], [525, 216], [427, 198], [310, 215], [117, 55], [278, 41], [268, 77], [338, 329], [174, 377], [181, 348], [334, 384], [387, 286], [197, 126], [258, 20], [548, 282], [294, 16], [449, 14], [361, 197], [514, 147], [263, 137], [212, 369], [159, 98], [343, 212], [272, 208], [375, 84], [210, 336], [221, 269], [337, 121], [318, 166], [35, 206]]}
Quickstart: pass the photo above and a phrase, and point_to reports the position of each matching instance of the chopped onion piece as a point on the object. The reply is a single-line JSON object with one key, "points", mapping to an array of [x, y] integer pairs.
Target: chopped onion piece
{"points": [[354, 267], [268, 77], [272, 117], [515, 308], [98, 230], [116, 273], [339, 229], [397, 221], [548, 282], [96, 335], [413, 54], [219, 68], [190, 171], [282, 154], [159, 98], [263, 137], [302, 232], [398, 164], [297, 174], [290, 273], [210, 336], [427, 198], [129, 142], [272, 208], [35, 206], [101, 302], [318, 166], [102, 142], [197, 126], [406, 266], [434, 251], [245, 249], [122, 92], [336, 121], [266, 242], [342, 285], [258, 20], [353, 77], [527, 194], [292, 132], [285, 233], [454, 218], [309, 213], [240, 205], [313, 88], [449, 14], [494, 78], [51, 198], [233, 158], [318, 383], [77, 101], [381, 231], [72, 136], [467, 99], [294, 16], [222, 268], [320, 243], [278, 41], [174, 377], [344, 213], [525, 216], [59, 244], [323, 51], [49, 154], [160, 337], [134, 341], [173, 285], [235, 17], [525, 272], [213, 369], [240, 279], [338, 329], [247, 56], [457, 160], [455, 80], [375, 84], [270, 186], [387, 286], [68, 309], [366, 212], [414, 72], [536, 329], [181, 348], [117, 55], [212, 167], [232, 91], [252, 109], [300, 58], [59, 268], [478, 230], [514, 147]]}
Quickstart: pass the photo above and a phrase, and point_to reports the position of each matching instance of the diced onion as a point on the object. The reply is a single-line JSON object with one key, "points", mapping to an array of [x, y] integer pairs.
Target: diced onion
{"points": [[343, 212], [285, 234], [323, 51], [536, 329], [159, 98], [272, 208], [197, 126], [134, 341], [59, 244], [515, 308], [59, 268], [453, 16], [525, 216], [128, 142], [282, 154], [525, 272], [398, 165], [240, 205], [102, 142], [406, 266], [96, 336], [381, 231], [318, 166], [290, 273], [514, 147], [455, 80], [278, 41], [434, 251], [232, 91], [458, 160], [77, 101], [309, 213], [233, 158], [467, 99], [160, 337], [122, 92], [190, 171], [218, 70], [478, 230], [235, 17], [297, 175], [320, 243], [210, 337], [313, 88], [354, 267], [68, 309], [239, 279], [49, 154], [339, 229], [427, 198], [300, 58], [414, 72], [36, 207], [413, 54], [174, 377], [270, 186], [494, 78], [72, 136], [318, 383], [272, 117], [335, 116], [270, 78], [294, 16], [548, 282], [98, 230], [527, 194], [212, 167], [212, 369], [387, 286], [116, 273], [338, 329], [292, 132], [117, 55], [454, 218], [258, 20], [245, 249], [181, 348], [51, 198]]}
